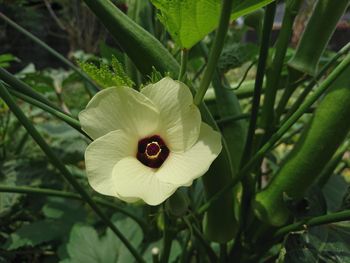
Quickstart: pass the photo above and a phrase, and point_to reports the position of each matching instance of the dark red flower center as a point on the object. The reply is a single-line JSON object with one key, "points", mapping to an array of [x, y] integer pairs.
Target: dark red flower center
{"points": [[152, 151]]}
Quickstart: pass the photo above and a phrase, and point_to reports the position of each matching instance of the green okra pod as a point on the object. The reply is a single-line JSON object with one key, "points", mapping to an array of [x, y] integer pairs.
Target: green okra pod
{"points": [[317, 34], [142, 48], [317, 144]]}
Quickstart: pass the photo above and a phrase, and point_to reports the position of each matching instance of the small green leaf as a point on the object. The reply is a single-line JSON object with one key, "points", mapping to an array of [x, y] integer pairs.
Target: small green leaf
{"points": [[188, 21], [105, 75], [6, 59]]}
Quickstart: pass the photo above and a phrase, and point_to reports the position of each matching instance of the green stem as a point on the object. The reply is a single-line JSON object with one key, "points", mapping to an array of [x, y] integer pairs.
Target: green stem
{"points": [[52, 52], [21, 144], [309, 87], [238, 117], [279, 133], [155, 255], [210, 252], [69, 195], [215, 51], [332, 164], [274, 74], [295, 79], [245, 74], [64, 171], [249, 180], [223, 253], [315, 221], [22, 87], [183, 67], [167, 239], [264, 51], [62, 116], [223, 121], [23, 91]]}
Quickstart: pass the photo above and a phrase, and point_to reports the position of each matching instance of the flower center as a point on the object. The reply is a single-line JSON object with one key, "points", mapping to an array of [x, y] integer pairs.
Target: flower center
{"points": [[152, 151]]}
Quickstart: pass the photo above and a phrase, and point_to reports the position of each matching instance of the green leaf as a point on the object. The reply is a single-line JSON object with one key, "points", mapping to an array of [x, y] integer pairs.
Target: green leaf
{"points": [[334, 191], [85, 246], [188, 21], [35, 233], [6, 59], [60, 217], [328, 243], [105, 75], [7, 200]]}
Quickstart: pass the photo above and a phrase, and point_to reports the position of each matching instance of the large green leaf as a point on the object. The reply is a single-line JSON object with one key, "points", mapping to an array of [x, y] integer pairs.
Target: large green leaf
{"points": [[188, 21], [60, 217], [85, 246], [328, 243]]}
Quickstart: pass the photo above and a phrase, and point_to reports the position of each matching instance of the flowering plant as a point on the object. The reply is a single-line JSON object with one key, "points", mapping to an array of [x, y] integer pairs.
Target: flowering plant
{"points": [[171, 148], [146, 144]]}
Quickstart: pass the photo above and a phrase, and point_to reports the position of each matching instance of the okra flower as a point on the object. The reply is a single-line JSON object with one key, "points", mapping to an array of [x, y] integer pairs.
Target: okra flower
{"points": [[146, 144]]}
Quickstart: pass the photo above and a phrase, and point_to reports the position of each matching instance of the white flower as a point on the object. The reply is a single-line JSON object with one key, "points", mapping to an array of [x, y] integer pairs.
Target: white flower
{"points": [[146, 144]]}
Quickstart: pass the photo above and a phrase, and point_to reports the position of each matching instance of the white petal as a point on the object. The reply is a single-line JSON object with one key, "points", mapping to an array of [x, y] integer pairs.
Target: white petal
{"points": [[183, 168], [119, 108], [180, 118], [135, 180], [103, 154]]}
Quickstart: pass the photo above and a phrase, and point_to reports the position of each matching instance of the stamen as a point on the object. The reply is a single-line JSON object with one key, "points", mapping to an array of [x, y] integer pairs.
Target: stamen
{"points": [[152, 151]]}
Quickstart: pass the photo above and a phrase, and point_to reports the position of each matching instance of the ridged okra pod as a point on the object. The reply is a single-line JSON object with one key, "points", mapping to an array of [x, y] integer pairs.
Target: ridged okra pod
{"points": [[317, 144], [142, 48], [317, 34]]}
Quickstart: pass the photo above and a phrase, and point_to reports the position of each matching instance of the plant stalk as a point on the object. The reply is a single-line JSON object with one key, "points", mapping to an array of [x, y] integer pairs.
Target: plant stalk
{"points": [[332, 164], [279, 133], [274, 73], [310, 222], [249, 181], [74, 123], [22, 87], [264, 51], [309, 87], [183, 65], [215, 51], [69, 195], [168, 236], [64, 171]]}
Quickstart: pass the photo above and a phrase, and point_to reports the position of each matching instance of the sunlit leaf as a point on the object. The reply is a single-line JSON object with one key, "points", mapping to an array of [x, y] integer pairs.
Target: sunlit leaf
{"points": [[188, 21]]}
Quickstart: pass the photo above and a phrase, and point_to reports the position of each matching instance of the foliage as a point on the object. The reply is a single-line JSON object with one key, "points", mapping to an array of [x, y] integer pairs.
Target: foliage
{"points": [[6, 59], [43, 219], [107, 76], [189, 21]]}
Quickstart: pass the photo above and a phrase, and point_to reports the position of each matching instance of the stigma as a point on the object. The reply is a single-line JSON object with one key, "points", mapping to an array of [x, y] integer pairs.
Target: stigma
{"points": [[152, 151]]}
